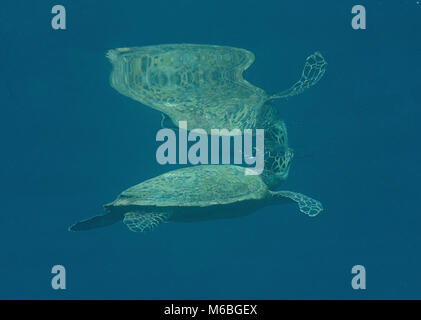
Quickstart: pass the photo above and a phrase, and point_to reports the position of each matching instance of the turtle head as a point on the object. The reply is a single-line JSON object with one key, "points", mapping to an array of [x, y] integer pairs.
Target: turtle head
{"points": [[277, 164], [278, 155]]}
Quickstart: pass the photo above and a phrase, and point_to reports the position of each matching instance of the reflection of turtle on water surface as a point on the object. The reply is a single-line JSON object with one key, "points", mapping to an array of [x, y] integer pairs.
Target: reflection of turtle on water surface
{"points": [[194, 194], [202, 84]]}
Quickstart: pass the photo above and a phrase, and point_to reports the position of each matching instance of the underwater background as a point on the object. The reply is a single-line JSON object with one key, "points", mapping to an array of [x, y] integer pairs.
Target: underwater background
{"points": [[70, 143]]}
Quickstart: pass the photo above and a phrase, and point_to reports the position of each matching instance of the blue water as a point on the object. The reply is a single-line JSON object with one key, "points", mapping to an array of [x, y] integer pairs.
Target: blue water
{"points": [[70, 143]]}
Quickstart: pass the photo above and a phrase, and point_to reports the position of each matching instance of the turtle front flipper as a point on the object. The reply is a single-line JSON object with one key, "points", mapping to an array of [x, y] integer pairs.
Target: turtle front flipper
{"points": [[307, 205], [142, 221], [314, 69]]}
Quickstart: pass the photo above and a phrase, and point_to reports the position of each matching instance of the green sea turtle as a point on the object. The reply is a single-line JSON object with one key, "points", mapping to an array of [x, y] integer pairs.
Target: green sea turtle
{"points": [[202, 84], [197, 193]]}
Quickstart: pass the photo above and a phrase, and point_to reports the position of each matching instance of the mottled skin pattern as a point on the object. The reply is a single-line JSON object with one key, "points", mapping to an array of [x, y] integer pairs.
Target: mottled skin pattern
{"points": [[278, 155], [201, 84]]}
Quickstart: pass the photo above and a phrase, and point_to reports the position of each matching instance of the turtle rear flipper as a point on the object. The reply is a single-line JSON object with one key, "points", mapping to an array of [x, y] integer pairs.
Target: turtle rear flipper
{"points": [[314, 69], [144, 221], [307, 205], [96, 222]]}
